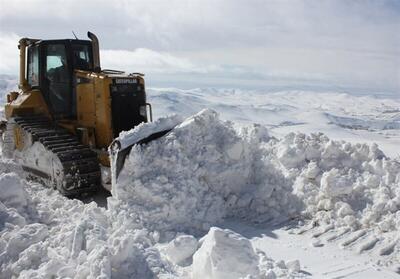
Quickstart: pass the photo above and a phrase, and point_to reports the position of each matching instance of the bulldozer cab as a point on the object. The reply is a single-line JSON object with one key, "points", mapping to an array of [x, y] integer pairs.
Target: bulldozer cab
{"points": [[50, 68]]}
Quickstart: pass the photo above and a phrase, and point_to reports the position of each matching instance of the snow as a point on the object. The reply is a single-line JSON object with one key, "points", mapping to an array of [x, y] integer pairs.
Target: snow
{"points": [[226, 199]]}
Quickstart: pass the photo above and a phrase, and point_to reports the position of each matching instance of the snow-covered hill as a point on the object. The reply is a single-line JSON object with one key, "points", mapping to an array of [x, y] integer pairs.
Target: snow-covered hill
{"points": [[342, 116], [7, 83], [227, 199]]}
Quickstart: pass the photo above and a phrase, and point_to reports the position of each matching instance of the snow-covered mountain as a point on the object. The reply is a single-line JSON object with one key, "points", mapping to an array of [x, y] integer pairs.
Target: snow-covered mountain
{"points": [[222, 197], [341, 116]]}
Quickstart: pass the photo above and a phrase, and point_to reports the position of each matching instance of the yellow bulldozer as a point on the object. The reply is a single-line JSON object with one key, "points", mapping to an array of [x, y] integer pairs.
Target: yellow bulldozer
{"points": [[68, 112]]}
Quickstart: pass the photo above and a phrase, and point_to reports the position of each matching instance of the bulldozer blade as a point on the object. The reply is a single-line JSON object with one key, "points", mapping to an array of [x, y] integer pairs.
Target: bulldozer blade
{"points": [[142, 134], [119, 152]]}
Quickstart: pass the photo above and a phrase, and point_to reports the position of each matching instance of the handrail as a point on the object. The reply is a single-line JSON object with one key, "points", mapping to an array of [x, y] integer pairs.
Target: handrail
{"points": [[151, 111]]}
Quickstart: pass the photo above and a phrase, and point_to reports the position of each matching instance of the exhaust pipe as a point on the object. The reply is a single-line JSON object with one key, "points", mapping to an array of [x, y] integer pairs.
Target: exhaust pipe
{"points": [[96, 52], [23, 83]]}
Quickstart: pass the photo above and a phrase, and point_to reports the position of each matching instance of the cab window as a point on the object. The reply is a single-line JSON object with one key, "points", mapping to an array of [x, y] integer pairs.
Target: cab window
{"points": [[56, 63], [81, 57], [33, 66], [58, 80]]}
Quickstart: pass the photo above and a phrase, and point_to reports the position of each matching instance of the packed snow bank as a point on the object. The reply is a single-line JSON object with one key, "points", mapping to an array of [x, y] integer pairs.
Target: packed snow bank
{"points": [[200, 173]]}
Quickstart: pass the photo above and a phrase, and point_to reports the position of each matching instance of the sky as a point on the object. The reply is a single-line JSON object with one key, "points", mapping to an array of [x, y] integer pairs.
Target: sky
{"points": [[337, 45]]}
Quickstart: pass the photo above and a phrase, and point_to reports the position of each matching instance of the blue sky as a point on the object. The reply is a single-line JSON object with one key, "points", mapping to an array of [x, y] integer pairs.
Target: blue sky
{"points": [[261, 44]]}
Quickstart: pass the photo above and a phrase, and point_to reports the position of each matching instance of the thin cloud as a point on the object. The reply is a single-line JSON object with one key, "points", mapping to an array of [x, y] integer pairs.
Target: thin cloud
{"points": [[148, 61], [9, 54], [344, 42]]}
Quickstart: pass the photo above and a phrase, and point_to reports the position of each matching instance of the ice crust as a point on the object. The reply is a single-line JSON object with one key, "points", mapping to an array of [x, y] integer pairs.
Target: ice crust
{"points": [[191, 180]]}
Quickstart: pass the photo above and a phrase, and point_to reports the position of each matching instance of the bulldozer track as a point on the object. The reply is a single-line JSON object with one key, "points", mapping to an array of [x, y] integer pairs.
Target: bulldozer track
{"points": [[80, 165]]}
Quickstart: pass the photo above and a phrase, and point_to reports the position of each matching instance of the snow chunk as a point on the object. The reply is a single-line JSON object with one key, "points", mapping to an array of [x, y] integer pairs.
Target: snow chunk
{"points": [[225, 254], [12, 191], [27, 236], [334, 184], [181, 248], [312, 170], [293, 265], [128, 259]]}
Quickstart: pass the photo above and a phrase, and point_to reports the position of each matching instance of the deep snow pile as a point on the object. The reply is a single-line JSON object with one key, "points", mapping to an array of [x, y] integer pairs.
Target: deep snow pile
{"points": [[44, 235], [199, 174], [340, 183]]}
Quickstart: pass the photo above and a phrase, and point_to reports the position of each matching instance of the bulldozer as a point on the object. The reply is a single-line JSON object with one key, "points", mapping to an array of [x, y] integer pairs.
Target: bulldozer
{"points": [[67, 113]]}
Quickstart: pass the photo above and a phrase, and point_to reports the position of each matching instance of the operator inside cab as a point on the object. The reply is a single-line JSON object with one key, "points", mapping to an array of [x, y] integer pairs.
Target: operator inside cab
{"points": [[58, 78], [81, 59]]}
